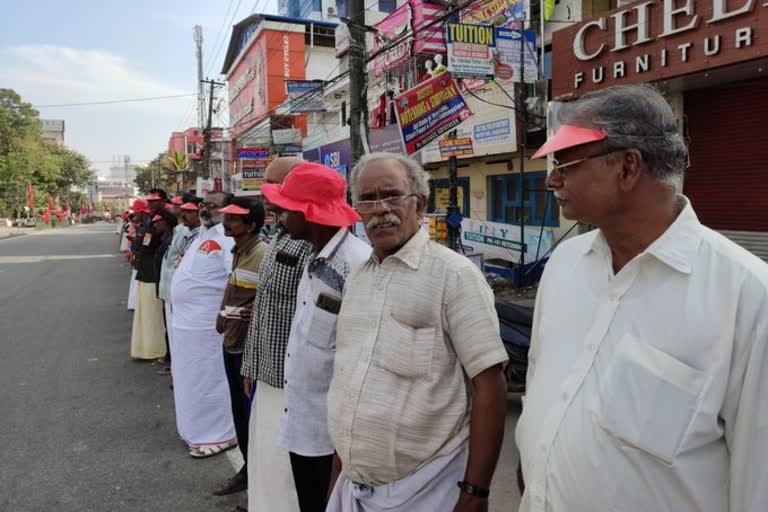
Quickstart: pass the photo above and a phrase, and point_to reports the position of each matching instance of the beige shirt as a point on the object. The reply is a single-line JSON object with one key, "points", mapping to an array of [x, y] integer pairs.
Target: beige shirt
{"points": [[412, 331]]}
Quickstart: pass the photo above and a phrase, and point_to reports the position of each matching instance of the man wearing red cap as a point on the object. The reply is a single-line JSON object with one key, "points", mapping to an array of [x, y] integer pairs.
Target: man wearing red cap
{"points": [[243, 220], [313, 198], [416, 407], [201, 393], [140, 211], [649, 350], [270, 483]]}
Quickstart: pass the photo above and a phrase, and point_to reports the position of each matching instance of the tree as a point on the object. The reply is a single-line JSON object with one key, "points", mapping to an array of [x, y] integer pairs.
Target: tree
{"points": [[26, 158], [155, 174]]}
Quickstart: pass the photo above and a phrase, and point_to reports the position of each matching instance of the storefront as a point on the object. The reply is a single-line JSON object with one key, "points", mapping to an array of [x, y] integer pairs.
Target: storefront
{"points": [[711, 60]]}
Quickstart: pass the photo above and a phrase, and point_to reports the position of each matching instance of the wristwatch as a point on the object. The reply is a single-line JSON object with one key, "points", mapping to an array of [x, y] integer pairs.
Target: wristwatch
{"points": [[473, 489]]}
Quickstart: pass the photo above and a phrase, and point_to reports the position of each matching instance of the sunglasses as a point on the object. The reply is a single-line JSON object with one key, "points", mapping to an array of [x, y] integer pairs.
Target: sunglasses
{"points": [[557, 166]]}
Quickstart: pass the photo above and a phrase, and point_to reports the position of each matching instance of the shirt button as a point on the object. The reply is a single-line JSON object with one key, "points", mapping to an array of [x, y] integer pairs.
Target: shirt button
{"points": [[287, 355], [285, 382], [304, 302], [285, 410]]}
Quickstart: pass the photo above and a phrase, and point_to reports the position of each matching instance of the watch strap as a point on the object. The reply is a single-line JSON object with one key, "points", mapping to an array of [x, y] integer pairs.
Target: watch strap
{"points": [[473, 490]]}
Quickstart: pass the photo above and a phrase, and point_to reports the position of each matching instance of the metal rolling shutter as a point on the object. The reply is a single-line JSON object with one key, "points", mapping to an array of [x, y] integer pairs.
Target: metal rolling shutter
{"points": [[728, 178]]}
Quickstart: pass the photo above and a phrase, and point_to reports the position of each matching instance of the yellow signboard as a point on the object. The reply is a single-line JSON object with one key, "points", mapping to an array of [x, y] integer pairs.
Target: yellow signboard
{"points": [[442, 199]]}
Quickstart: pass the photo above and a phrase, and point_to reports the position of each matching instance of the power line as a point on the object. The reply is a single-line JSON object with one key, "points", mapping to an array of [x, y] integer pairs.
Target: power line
{"points": [[218, 35], [221, 45], [111, 102]]}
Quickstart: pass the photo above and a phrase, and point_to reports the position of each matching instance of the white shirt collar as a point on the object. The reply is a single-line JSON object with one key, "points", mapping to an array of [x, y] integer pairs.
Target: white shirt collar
{"points": [[676, 247]]}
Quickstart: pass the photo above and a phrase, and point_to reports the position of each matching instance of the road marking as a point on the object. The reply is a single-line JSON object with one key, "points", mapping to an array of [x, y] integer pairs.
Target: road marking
{"points": [[54, 257], [235, 458]]}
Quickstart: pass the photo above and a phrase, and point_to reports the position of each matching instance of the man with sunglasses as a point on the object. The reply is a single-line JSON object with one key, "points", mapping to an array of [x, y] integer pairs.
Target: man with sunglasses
{"points": [[649, 353], [416, 407]]}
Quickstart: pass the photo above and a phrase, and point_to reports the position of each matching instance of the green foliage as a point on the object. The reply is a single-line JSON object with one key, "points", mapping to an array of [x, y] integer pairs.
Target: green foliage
{"points": [[157, 171], [26, 158]]}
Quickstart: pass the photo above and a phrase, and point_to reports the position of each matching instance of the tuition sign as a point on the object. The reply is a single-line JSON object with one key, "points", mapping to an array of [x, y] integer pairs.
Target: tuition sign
{"points": [[429, 110]]}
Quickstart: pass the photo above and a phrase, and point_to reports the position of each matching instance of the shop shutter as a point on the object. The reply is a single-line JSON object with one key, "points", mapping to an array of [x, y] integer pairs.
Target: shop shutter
{"points": [[728, 178]]}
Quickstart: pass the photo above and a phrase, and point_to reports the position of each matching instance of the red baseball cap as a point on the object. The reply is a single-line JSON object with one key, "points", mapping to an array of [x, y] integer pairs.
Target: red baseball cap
{"points": [[568, 136], [315, 190], [177, 200], [154, 197], [140, 206], [156, 218], [233, 209], [189, 206]]}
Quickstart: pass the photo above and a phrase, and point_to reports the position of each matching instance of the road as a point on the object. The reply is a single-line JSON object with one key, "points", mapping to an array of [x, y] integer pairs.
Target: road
{"points": [[85, 428]]}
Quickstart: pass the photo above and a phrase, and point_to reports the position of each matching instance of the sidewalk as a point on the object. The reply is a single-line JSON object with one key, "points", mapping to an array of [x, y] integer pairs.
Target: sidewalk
{"points": [[6, 232]]}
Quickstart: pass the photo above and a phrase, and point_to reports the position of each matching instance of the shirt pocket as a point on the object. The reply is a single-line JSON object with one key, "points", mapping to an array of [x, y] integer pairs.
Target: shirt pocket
{"points": [[322, 329], [649, 398], [406, 350]]}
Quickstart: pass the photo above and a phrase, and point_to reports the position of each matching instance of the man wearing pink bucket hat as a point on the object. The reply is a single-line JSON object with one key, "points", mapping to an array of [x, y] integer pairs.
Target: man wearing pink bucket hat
{"points": [[312, 198]]}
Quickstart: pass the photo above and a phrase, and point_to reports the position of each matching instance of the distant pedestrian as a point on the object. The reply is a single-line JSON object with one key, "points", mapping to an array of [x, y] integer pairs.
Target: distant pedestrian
{"points": [[313, 198], [148, 333], [416, 408], [649, 353], [243, 219], [201, 393], [270, 481]]}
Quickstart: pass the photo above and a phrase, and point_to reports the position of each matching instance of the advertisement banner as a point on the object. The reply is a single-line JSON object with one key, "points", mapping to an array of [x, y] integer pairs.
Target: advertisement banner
{"points": [[471, 51], [257, 163], [508, 55], [502, 241], [253, 179], [456, 147], [306, 95], [391, 28], [429, 110], [289, 149], [253, 153], [288, 136], [507, 13]]}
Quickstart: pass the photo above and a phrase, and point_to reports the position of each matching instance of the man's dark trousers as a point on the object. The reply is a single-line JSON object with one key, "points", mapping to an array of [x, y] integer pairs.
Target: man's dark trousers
{"points": [[312, 476], [232, 364]]}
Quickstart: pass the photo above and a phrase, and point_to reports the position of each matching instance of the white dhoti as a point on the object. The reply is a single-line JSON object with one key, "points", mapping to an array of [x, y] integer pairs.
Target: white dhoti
{"points": [[169, 324], [132, 287], [270, 479], [148, 334], [200, 387], [430, 489]]}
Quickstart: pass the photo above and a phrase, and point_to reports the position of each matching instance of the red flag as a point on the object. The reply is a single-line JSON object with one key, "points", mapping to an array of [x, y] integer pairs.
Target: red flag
{"points": [[30, 196]]}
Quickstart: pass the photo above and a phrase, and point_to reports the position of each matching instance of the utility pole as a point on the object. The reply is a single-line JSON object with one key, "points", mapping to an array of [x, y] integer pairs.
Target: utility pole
{"points": [[523, 112], [209, 124], [358, 106], [198, 36]]}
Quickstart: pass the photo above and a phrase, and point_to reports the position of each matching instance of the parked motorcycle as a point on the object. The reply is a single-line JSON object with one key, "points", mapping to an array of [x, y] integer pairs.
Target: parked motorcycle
{"points": [[516, 323]]}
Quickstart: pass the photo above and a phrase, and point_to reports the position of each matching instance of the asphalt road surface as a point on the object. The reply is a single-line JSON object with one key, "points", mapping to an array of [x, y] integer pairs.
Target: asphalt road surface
{"points": [[82, 426]]}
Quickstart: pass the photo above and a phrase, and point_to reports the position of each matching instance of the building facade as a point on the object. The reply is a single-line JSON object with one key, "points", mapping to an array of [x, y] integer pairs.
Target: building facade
{"points": [[53, 130]]}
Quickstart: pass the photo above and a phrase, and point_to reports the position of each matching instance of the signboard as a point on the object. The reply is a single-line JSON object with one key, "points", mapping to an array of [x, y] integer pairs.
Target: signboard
{"points": [[337, 156], [491, 129], [502, 241], [393, 27], [253, 153], [673, 39], [306, 95], [456, 147], [429, 110], [288, 136], [508, 13], [471, 51], [258, 163], [508, 52], [386, 139], [443, 198], [203, 186], [289, 149], [253, 179]]}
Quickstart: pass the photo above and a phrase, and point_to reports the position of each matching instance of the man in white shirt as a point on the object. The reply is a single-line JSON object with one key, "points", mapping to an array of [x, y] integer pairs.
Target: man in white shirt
{"points": [[648, 354], [313, 199], [200, 388]]}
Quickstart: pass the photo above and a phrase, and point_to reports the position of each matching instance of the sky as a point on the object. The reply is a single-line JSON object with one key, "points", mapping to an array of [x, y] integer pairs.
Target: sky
{"points": [[78, 51]]}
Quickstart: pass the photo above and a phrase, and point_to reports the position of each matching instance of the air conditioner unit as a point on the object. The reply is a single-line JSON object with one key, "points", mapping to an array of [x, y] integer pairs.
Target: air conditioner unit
{"points": [[331, 11]]}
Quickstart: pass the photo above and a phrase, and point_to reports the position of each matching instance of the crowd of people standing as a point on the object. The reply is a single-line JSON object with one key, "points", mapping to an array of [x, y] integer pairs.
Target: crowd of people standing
{"points": [[279, 339]]}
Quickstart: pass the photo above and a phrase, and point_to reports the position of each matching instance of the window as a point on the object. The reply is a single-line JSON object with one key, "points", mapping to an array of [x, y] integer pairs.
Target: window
{"points": [[536, 208], [439, 196], [341, 8], [317, 5], [387, 5], [343, 113]]}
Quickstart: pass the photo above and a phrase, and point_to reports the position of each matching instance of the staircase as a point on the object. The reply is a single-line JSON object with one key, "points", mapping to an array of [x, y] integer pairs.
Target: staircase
{"points": [[754, 241]]}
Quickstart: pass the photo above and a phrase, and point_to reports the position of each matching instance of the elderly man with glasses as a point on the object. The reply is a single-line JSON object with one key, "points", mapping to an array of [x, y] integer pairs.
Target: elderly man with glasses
{"points": [[416, 406], [649, 355], [200, 388]]}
